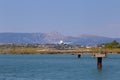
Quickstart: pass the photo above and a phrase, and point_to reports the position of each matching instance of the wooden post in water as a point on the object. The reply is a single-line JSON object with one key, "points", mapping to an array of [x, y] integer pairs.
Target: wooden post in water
{"points": [[79, 55], [99, 57], [99, 62]]}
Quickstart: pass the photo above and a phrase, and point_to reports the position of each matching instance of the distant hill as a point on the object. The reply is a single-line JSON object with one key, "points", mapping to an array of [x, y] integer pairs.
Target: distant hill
{"points": [[52, 38]]}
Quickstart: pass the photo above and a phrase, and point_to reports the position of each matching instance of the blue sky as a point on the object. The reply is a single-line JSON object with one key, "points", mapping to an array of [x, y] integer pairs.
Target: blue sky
{"points": [[69, 17]]}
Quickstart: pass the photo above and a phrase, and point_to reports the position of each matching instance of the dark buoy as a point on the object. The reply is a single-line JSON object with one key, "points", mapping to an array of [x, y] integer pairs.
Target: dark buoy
{"points": [[99, 62], [79, 55]]}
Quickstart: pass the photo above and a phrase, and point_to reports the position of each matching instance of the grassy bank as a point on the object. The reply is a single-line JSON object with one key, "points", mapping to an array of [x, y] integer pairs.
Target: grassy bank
{"points": [[55, 51]]}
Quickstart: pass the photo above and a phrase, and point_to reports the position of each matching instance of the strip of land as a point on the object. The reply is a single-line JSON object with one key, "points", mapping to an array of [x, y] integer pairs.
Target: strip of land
{"points": [[54, 49]]}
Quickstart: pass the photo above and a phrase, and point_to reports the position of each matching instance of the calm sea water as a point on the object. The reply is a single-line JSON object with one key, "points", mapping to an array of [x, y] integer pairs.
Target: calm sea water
{"points": [[58, 67]]}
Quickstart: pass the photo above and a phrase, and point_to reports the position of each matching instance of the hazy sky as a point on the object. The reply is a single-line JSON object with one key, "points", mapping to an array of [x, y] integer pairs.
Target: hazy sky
{"points": [[69, 17]]}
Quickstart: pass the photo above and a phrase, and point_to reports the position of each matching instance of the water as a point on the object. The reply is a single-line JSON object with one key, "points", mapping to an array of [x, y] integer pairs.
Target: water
{"points": [[58, 67]]}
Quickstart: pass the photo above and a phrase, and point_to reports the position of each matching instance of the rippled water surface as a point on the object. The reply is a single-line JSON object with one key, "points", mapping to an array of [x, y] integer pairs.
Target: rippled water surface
{"points": [[58, 67]]}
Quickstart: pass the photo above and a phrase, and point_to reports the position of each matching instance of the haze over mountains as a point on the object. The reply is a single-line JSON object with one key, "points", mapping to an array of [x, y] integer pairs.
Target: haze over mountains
{"points": [[52, 38]]}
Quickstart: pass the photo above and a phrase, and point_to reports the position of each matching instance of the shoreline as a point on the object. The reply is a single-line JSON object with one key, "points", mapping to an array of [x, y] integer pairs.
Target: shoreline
{"points": [[53, 51]]}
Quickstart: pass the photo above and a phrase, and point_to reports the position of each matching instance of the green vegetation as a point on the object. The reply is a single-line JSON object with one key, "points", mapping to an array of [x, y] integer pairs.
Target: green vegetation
{"points": [[113, 44]]}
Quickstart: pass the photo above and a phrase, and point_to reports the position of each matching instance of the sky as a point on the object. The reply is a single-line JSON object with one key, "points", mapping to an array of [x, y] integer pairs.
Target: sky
{"points": [[68, 17]]}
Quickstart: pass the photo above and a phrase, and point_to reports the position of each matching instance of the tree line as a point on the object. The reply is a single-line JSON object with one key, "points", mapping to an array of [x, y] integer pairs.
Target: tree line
{"points": [[113, 44]]}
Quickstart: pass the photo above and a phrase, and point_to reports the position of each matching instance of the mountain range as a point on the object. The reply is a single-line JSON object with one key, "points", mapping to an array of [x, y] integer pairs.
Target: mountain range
{"points": [[53, 38]]}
